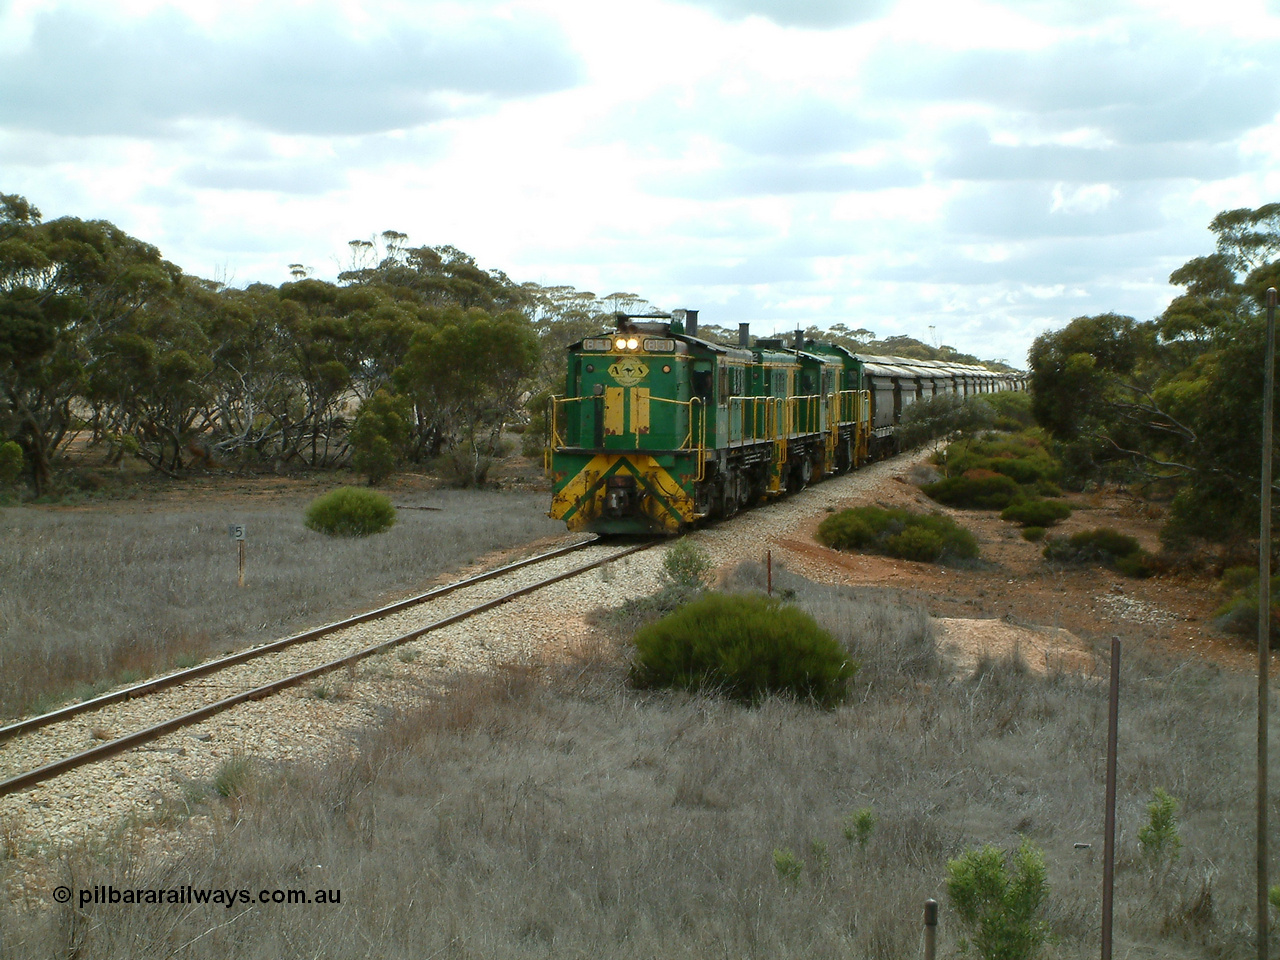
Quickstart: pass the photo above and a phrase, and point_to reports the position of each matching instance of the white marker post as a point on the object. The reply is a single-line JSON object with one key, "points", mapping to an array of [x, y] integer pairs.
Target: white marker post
{"points": [[237, 534]]}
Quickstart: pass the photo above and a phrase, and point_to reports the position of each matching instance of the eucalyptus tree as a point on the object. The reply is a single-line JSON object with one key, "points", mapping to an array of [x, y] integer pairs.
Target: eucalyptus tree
{"points": [[466, 372], [68, 288], [1175, 401]]}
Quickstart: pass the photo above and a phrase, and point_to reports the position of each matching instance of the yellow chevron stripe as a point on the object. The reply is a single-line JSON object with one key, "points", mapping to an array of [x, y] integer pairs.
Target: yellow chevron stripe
{"points": [[581, 500]]}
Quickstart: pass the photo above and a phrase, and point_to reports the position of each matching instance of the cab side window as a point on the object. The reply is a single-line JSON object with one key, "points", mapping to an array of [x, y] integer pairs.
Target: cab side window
{"points": [[701, 380]]}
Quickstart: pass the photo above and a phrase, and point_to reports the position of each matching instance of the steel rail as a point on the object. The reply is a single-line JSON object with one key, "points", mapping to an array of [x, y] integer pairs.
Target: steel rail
{"points": [[214, 666], [129, 741]]}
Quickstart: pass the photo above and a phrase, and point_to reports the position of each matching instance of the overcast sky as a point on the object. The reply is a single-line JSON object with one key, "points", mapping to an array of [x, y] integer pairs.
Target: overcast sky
{"points": [[969, 173]]}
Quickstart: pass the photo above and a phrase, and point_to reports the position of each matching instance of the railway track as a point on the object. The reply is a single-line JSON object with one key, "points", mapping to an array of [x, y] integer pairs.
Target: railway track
{"points": [[224, 683]]}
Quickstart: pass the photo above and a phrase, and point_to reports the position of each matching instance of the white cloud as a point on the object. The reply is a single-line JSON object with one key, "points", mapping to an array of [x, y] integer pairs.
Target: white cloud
{"points": [[988, 167], [806, 13], [83, 73]]}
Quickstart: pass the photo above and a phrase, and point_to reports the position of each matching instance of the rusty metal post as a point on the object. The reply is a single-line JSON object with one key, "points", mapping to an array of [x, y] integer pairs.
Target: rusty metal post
{"points": [[1109, 842], [1264, 614], [768, 565], [930, 929]]}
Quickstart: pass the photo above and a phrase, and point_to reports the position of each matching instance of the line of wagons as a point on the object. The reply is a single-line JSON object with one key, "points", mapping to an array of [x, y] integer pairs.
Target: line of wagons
{"points": [[659, 428]]}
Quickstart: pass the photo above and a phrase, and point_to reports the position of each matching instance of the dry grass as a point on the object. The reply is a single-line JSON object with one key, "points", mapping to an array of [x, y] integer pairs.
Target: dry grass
{"points": [[91, 598], [553, 812]]}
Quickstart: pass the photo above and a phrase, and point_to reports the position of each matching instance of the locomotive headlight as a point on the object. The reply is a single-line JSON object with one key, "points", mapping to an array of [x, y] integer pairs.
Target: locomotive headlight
{"points": [[620, 344], [633, 343]]}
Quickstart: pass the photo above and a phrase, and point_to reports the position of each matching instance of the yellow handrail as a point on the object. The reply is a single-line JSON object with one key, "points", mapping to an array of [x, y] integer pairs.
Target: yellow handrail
{"points": [[686, 443], [760, 418]]}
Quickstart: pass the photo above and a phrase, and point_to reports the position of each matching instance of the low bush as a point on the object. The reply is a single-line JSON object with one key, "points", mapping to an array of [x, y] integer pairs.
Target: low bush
{"points": [[1033, 534], [1108, 547], [1237, 578], [980, 493], [898, 533], [1021, 457], [1239, 614], [746, 647], [1159, 838], [1001, 910], [350, 512], [1036, 513], [687, 565], [1046, 488]]}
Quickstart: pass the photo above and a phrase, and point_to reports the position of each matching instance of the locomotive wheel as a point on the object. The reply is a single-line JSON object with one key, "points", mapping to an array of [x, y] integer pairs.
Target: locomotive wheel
{"points": [[800, 475], [844, 457], [729, 496]]}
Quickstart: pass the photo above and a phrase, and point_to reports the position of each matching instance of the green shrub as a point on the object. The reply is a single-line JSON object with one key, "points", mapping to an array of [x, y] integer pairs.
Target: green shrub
{"points": [[859, 825], [1021, 457], [1159, 838], [1046, 488], [1021, 471], [1035, 513], [1103, 545], [687, 565], [1138, 565], [788, 866], [999, 909], [744, 646], [941, 416], [981, 493], [898, 533], [1240, 613], [350, 512], [1235, 579], [1033, 534]]}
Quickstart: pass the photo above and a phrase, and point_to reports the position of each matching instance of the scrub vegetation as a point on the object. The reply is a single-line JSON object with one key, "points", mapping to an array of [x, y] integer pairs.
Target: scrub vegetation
{"points": [[745, 647], [557, 811], [1104, 546], [93, 598], [895, 532], [350, 512]]}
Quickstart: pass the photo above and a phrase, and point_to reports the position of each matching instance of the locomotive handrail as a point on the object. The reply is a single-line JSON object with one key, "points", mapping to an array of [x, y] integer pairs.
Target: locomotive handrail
{"points": [[553, 435], [554, 440], [687, 442], [702, 437], [761, 421], [809, 403]]}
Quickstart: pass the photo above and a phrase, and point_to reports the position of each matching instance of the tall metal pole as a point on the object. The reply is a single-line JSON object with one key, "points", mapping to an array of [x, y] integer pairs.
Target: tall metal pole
{"points": [[1264, 615], [1109, 837]]}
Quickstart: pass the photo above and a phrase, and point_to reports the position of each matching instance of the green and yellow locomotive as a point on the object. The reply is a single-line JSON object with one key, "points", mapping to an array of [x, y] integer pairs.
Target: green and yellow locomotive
{"points": [[659, 429]]}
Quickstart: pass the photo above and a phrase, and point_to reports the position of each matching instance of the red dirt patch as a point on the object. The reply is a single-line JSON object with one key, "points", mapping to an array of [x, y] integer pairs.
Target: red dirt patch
{"points": [[1016, 585]]}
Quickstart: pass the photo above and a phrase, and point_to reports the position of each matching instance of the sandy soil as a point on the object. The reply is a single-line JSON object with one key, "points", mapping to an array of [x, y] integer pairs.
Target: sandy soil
{"points": [[1014, 597]]}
